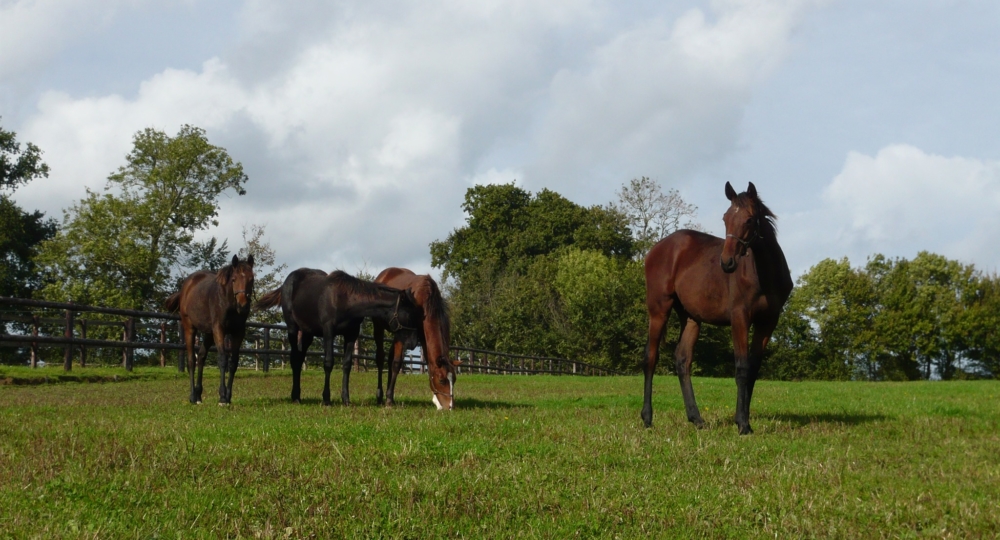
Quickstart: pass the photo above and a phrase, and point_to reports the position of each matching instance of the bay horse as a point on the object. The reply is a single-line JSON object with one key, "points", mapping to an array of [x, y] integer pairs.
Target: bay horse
{"points": [[216, 304], [314, 303], [434, 334], [740, 281]]}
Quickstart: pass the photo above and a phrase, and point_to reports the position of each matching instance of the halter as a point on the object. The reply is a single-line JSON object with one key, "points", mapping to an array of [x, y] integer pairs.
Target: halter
{"points": [[395, 318], [451, 385], [752, 239]]}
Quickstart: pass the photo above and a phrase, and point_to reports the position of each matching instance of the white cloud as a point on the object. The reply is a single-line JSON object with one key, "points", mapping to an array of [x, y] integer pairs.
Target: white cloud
{"points": [[662, 98], [901, 201], [361, 125]]}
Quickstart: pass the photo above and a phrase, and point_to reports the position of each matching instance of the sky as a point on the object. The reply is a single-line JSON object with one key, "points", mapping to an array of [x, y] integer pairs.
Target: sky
{"points": [[867, 127]]}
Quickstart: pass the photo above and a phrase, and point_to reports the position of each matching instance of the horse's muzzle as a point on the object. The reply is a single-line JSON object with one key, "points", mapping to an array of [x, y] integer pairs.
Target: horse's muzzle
{"points": [[729, 265]]}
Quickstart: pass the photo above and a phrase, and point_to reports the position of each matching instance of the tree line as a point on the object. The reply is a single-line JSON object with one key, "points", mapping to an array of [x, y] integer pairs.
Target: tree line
{"points": [[531, 273]]}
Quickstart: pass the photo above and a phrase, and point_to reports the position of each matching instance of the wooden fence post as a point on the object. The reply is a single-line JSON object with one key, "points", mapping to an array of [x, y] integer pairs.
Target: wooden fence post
{"points": [[68, 334], [267, 347], [181, 354], [34, 344], [83, 348], [163, 341], [129, 337]]}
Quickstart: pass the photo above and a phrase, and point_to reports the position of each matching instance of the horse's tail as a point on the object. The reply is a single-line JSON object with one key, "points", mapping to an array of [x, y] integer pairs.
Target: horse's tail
{"points": [[269, 300], [173, 303]]}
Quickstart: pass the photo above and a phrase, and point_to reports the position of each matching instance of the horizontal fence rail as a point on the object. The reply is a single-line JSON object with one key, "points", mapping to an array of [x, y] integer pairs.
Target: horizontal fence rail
{"points": [[137, 333]]}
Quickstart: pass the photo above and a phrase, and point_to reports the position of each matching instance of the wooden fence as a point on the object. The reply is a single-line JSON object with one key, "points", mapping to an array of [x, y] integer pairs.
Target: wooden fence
{"points": [[153, 331]]}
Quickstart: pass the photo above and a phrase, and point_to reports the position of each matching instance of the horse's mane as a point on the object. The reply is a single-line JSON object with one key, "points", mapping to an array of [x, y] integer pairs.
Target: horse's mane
{"points": [[435, 307], [767, 229]]}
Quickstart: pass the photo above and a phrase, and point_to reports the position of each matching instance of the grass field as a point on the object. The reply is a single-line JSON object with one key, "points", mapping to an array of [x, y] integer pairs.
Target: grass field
{"points": [[533, 457]]}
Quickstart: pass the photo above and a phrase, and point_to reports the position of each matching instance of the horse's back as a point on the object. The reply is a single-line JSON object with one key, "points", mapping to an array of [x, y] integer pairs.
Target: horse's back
{"points": [[395, 277], [677, 253]]}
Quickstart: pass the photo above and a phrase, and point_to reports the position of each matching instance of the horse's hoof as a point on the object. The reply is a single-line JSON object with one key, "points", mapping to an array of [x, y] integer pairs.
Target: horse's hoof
{"points": [[746, 430], [698, 423]]}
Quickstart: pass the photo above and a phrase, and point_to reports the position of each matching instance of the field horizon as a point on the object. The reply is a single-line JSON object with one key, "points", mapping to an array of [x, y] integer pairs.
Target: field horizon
{"points": [[520, 456]]}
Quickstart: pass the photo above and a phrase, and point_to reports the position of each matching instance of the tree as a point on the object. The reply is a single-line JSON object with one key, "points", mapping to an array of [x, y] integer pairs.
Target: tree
{"points": [[267, 275], [653, 214], [20, 231], [120, 247], [19, 166], [507, 227], [500, 268]]}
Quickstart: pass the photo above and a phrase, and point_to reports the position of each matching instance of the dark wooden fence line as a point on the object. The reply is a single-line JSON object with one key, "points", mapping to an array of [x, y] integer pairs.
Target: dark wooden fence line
{"points": [[473, 360]]}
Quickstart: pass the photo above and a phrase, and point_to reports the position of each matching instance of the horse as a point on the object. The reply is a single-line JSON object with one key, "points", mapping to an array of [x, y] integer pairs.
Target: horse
{"points": [[740, 281], [217, 305], [314, 303], [434, 334]]}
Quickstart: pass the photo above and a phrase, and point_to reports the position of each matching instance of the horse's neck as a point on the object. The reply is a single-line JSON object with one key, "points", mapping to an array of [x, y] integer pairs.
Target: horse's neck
{"points": [[381, 305], [433, 337], [772, 269]]}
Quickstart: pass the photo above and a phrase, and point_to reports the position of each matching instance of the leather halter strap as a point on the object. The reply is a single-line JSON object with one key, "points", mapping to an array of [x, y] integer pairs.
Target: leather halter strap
{"points": [[395, 318]]}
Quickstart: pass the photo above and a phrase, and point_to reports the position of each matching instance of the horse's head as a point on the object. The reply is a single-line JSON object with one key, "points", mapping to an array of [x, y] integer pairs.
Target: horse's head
{"points": [[742, 225], [443, 374], [237, 280]]}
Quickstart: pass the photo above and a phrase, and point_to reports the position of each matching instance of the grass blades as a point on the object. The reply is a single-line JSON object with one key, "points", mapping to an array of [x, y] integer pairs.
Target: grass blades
{"points": [[533, 457]]}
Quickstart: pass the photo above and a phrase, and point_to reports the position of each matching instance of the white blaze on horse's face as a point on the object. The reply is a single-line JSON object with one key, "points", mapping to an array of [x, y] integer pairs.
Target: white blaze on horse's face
{"points": [[450, 394]]}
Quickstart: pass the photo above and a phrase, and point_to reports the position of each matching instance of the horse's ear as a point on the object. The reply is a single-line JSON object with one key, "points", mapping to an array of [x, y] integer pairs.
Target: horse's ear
{"points": [[236, 259], [730, 192], [456, 362], [250, 261], [752, 190]]}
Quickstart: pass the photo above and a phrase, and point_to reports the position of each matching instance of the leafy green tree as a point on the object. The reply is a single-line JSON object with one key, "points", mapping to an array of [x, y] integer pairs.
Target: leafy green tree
{"points": [[601, 299], [120, 247], [500, 268], [20, 231]]}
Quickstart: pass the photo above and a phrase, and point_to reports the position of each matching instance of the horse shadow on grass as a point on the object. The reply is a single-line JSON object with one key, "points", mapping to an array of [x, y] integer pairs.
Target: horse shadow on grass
{"points": [[404, 403], [849, 419]]}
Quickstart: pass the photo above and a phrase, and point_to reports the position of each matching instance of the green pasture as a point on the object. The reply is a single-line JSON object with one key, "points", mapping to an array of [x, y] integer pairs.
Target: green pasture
{"points": [[521, 456]]}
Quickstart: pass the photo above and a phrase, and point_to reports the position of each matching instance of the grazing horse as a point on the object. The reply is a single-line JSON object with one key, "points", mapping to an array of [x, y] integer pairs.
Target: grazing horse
{"points": [[314, 303], [434, 334], [740, 281], [217, 305]]}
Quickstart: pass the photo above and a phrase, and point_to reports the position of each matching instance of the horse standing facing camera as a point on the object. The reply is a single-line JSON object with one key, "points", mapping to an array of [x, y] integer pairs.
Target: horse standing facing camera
{"points": [[740, 281], [216, 304]]}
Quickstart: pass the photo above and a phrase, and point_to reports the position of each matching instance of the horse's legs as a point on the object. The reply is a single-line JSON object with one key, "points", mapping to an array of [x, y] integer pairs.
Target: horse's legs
{"points": [[740, 329], [328, 339], [378, 333], [236, 341], [397, 365], [188, 334], [761, 336], [223, 346], [299, 343], [205, 343], [682, 361], [659, 313], [349, 340]]}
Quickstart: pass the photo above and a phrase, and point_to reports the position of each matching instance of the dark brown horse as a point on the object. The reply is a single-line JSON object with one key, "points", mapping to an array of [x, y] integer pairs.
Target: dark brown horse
{"points": [[215, 304], [434, 333], [314, 303], [740, 281]]}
